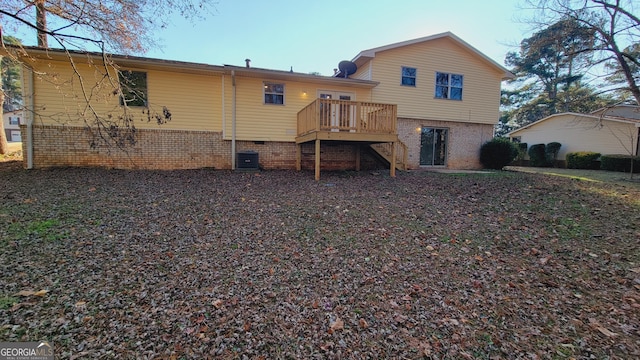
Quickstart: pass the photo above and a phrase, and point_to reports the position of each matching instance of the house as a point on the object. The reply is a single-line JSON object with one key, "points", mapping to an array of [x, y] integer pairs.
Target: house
{"points": [[608, 131], [12, 121], [431, 101]]}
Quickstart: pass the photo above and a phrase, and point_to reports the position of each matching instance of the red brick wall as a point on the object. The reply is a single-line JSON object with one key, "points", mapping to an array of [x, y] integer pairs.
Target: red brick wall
{"points": [[464, 141], [60, 146]]}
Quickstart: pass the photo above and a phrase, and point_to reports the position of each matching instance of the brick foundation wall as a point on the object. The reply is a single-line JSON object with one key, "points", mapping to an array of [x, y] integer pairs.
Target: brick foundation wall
{"points": [[464, 141], [61, 146]]}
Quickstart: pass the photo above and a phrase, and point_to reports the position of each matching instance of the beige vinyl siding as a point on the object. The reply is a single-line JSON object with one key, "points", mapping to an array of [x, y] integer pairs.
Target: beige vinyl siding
{"points": [[363, 72], [577, 133], [257, 121], [481, 87], [194, 100]]}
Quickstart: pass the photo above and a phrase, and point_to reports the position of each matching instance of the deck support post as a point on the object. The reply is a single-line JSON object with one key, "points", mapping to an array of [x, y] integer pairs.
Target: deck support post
{"points": [[393, 160], [298, 157], [358, 149], [317, 159]]}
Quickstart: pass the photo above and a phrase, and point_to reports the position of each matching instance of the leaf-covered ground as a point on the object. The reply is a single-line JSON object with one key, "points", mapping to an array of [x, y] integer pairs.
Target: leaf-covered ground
{"points": [[215, 264]]}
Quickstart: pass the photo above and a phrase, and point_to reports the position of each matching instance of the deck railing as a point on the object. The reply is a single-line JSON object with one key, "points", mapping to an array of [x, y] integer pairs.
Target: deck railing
{"points": [[349, 116]]}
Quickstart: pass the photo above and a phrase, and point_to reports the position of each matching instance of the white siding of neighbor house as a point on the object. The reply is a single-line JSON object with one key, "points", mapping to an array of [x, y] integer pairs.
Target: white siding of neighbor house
{"points": [[578, 133]]}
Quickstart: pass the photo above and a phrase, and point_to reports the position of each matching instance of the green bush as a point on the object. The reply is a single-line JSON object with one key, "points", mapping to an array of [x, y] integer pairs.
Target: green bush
{"points": [[497, 153], [552, 149], [538, 155], [620, 163], [583, 160], [522, 150]]}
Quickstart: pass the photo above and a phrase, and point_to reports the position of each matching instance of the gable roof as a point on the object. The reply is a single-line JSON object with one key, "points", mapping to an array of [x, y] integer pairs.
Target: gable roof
{"points": [[626, 111], [366, 55], [584, 116]]}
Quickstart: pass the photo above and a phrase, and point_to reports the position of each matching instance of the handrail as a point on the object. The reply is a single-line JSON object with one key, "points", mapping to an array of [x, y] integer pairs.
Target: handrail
{"points": [[346, 115], [402, 152]]}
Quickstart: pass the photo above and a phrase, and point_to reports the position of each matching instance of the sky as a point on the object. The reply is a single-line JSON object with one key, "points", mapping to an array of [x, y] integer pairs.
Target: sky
{"points": [[314, 36]]}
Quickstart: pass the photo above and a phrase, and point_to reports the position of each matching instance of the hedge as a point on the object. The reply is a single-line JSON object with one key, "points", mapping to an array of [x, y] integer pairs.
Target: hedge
{"points": [[583, 160], [620, 163], [538, 155], [552, 150], [497, 153]]}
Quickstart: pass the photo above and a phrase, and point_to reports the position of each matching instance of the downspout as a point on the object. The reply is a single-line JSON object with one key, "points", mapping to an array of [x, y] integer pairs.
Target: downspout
{"points": [[224, 113], [233, 121], [27, 78], [638, 140]]}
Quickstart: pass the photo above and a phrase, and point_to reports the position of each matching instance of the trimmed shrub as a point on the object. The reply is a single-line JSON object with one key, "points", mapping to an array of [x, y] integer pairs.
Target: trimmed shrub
{"points": [[552, 150], [583, 160], [522, 151], [620, 163], [497, 153], [538, 155]]}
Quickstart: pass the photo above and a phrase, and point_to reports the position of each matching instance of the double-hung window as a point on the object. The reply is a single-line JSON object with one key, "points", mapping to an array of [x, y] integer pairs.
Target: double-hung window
{"points": [[448, 86], [134, 88], [408, 76], [273, 93]]}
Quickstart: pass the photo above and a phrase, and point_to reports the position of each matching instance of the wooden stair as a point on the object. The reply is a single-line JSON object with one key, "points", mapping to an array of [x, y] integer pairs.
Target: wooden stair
{"points": [[384, 150]]}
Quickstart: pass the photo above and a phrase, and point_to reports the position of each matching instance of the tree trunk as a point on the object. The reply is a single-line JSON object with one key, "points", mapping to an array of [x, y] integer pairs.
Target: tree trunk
{"points": [[41, 24], [4, 146]]}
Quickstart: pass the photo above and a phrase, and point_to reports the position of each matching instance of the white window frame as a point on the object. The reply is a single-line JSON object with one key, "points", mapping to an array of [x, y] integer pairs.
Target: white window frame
{"points": [[265, 86], [139, 94], [448, 86], [414, 77]]}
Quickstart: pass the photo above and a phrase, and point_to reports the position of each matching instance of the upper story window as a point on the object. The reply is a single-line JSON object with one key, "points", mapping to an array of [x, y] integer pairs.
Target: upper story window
{"points": [[134, 88], [273, 93], [448, 86], [408, 76], [14, 120]]}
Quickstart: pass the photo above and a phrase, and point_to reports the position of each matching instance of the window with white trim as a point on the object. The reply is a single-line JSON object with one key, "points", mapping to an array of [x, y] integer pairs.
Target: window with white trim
{"points": [[134, 88], [448, 86], [14, 120], [273, 93], [408, 76]]}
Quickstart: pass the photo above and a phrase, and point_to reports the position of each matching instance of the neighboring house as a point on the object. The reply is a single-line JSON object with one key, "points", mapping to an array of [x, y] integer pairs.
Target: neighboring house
{"points": [[12, 121], [606, 131], [431, 101]]}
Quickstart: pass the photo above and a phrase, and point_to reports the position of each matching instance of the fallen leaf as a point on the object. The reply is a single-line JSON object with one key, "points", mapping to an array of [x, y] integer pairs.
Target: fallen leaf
{"points": [[544, 260], [336, 325], [363, 323], [217, 303], [25, 293], [606, 332]]}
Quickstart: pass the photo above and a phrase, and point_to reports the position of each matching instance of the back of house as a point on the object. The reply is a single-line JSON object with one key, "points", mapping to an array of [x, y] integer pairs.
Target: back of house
{"points": [[439, 95]]}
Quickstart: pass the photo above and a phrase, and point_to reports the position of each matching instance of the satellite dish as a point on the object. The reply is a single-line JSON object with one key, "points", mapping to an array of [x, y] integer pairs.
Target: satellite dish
{"points": [[347, 68]]}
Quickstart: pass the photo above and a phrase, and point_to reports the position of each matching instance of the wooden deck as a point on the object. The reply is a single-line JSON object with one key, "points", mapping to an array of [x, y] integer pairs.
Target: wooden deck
{"points": [[345, 120]]}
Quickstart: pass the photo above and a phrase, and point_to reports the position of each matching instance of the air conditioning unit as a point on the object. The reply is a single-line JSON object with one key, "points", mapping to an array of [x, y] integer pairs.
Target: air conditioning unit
{"points": [[247, 160]]}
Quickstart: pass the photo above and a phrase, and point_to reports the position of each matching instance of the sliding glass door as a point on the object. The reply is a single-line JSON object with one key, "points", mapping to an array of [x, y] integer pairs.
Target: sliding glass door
{"points": [[433, 146]]}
